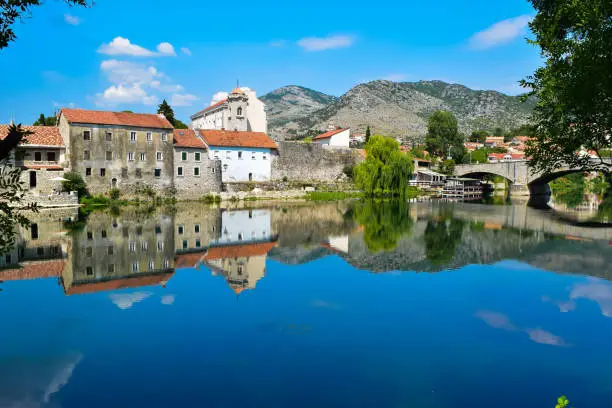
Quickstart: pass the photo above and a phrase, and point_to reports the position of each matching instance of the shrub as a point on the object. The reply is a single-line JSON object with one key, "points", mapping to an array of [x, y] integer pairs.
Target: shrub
{"points": [[74, 182], [211, 199], [114, 193], [348, 170]]}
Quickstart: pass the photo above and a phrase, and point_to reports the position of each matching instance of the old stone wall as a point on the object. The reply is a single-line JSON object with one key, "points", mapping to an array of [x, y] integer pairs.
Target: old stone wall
{"points": [[190, 186], [296, 161]]}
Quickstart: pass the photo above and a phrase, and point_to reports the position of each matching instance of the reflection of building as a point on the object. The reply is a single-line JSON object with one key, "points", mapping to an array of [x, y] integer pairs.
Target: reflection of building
{"points": [[337, 243], [195, 227], [120, 252]]}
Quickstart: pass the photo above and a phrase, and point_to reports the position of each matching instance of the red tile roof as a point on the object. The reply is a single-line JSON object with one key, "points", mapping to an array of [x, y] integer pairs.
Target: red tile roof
{"points": [[34, 270], [187, 138], [143, 120], [115, 284], [42, 135], [43, 166], [227, 138], [239, 251], [211, 107], [329, 134], [188, 260]]}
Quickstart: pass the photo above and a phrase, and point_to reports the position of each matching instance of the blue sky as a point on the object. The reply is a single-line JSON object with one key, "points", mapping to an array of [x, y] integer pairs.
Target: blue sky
{"points": [[131, 54]]}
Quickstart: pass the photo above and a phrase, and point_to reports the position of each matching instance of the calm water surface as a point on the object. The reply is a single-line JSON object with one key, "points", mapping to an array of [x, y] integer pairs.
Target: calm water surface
{"points": [[318, 305]]}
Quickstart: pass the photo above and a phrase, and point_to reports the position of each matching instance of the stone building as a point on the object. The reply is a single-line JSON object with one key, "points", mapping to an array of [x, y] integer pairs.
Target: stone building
{"points": [[196, 227], [118, 149], [196, 174], [121, 252], [245, 156], [241, 111], [42, 157]]}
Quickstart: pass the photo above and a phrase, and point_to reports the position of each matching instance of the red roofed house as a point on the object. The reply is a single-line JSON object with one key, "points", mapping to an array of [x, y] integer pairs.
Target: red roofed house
{"points": [[334, 137], [240, 110], [42, 157], [494, 141], [195, 173], [118, 149]]}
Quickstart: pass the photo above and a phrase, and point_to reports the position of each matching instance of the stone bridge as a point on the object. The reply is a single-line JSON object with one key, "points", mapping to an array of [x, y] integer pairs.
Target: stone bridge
{"points": [[523, 180]]}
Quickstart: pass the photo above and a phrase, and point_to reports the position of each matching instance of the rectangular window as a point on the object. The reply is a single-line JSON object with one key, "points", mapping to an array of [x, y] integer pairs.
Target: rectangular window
{"points": [[103, 233], [253, 155], [164, 137], [185, 244], [151, 265], [132, 246], [89, 271], [184, 156], [88, 171], [158, 229], [133, 137], [51, 156], [181, 229], [110, 250], [196, 171], [149, 137], [124, 172], [102, 172], [264, 156], [111, 268], [86, 155], [130, 156], [166, 263], [240, 155], [135, 267], [34, 231], [109, 155], [197, 156], [87, 135], [198, 243], [109, 136], [196, 228], [138, 173], [228, 155], [143, 156], [216, 154], [160, 156], [144, 245], [160, 245], [179, 171], [37, 156], [157, 173], [89, 235]]}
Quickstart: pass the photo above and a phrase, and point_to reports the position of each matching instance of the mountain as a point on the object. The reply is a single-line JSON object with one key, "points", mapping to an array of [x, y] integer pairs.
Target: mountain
{"points": [[392, 108]]}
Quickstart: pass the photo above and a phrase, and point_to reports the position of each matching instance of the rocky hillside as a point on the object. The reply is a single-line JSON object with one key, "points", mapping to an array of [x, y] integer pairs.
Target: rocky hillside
{"points": [[392, 108]]}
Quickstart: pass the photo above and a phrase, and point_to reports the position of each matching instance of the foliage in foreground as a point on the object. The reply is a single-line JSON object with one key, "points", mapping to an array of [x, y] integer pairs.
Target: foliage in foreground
{"points": [[384, 223], [385, 171], [574, 87], [332, 195]]}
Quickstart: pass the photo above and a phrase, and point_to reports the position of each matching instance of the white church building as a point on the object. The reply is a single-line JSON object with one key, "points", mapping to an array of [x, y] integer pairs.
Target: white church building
{"points": [[241, 105]]}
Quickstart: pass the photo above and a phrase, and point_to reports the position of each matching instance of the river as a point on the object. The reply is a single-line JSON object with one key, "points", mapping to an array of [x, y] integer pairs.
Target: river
{"points": [[340, 304]]}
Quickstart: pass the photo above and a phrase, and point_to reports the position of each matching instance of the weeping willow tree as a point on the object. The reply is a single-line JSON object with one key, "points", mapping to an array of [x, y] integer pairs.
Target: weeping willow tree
{"points": [[384, 223], [386, 169]]}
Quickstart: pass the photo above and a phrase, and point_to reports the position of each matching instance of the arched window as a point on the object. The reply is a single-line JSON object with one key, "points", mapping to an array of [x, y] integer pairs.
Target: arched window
{"points": [[239, 111]]}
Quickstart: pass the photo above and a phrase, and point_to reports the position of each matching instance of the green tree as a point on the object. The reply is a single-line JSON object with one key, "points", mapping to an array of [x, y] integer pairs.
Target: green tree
{"points": [[480, 156], [179, 124], [562, 402], [15, 10], [498, 131], [442, 133], [442, 236], [386, 170], [45, 121], [574, 87], [74, 182], [165, 109], [447, 167], [569, 190], [479, 136], [384, 223], [367, 135]]}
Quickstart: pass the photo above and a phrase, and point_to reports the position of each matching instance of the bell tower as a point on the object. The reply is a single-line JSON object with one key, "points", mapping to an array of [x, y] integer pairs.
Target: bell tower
{"points": [[237, 117]]}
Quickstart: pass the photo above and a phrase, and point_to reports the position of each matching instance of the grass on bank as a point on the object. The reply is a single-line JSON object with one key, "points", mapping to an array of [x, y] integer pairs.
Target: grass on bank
{"points": [[332, 195]]}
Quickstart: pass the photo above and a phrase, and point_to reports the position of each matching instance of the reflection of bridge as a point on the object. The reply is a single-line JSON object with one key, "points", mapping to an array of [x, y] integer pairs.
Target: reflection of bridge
{"points": [[524, 181]]}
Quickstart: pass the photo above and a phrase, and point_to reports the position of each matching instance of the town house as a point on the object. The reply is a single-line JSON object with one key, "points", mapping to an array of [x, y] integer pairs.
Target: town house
{"points": [[334, 137], [196, 174], [118, 149]]}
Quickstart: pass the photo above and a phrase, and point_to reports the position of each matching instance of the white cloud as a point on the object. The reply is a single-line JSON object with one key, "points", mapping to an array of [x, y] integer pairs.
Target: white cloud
{"points": [[125, 72], [166, 48], [72, 20], [118, 94], [278, 43], [396, 77], [167, 299], [500, 33], [186, 51], [126, 300], [123, 46], [218, 97], [326, 43], [63, 105], [182, 99], [156, 84]]}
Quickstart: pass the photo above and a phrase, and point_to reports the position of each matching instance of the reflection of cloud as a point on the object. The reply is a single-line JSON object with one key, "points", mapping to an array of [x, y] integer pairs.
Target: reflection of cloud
{"points": [[496, 320], [325, 305], [564, 307], [597, 291], [167, 300], [127, 300], [61, 379], [543, 337], [501, 321]]}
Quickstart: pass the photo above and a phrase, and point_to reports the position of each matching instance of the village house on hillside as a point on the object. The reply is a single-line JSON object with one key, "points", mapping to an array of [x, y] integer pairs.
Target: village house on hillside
{"points": [[42, 157], [241, 111], [118, 149], [334, 137]]}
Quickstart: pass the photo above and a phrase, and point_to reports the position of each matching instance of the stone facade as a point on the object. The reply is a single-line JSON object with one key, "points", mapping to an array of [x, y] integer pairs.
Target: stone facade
{"points": [[196, 226], [125, 157], [311, 162], [195, 173]]}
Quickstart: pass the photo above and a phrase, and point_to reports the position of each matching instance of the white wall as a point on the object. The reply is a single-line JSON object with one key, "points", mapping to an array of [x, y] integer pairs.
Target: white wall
{"points": [[338, 140], [239, 169], [215, 119], [245, 226], [256, 114]]}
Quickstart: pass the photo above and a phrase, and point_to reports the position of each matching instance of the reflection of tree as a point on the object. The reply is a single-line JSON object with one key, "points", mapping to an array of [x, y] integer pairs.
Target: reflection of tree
{"points": [[442, 235], [384, 223], [569, 190]]}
